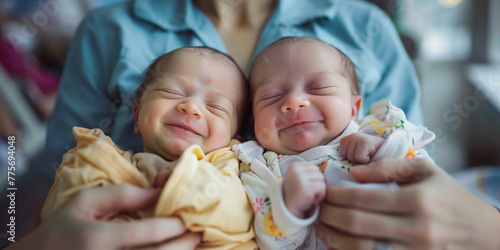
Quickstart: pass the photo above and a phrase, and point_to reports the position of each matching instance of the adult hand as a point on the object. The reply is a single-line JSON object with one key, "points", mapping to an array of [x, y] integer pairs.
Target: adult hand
{"points": [[429, 211], [79, 225]]}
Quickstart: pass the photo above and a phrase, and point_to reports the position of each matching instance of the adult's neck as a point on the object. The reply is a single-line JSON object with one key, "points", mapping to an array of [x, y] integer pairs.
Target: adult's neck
{"points": [[231, 14]]}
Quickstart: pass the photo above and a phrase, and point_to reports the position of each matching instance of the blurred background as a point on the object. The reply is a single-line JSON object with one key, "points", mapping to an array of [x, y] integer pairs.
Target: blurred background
{"points": [[454, 44]]}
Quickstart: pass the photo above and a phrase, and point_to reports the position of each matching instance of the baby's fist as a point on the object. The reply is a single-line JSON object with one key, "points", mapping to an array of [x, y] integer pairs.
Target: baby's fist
{"points": [[303, 188], [162, 175], [359, 147]]}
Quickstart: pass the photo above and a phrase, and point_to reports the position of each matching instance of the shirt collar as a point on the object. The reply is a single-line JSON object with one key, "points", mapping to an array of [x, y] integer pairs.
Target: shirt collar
{"points": [[169, 15], [182, 14], [296, 12], [352, 128]]}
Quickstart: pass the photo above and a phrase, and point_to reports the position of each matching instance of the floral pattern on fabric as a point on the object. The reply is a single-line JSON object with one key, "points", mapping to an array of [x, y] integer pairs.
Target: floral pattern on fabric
{"points": [[258, 204], [272, 163], [411, 153], [271, 229]]}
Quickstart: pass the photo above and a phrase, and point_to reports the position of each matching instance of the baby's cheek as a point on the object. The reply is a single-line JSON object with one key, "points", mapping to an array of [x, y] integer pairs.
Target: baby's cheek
{"points": [[266, 137], [220, 136]]}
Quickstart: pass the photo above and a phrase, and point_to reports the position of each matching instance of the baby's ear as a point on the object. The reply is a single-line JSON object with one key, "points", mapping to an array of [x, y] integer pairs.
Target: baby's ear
{"points": [[357, 101], [136, 106]]}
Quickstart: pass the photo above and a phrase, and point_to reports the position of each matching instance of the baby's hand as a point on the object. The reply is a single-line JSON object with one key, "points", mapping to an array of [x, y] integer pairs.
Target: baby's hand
{"points": [[359, 147], [163, 174], [303, 188]]}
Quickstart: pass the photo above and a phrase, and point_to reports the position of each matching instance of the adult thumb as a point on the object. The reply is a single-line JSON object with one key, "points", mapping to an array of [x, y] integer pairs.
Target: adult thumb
{"points": [[401, 171]]}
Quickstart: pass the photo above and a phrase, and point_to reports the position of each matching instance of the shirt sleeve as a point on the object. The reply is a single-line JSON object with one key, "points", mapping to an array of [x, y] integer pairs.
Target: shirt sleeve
{"points": [[83, 99], [399, 80]]}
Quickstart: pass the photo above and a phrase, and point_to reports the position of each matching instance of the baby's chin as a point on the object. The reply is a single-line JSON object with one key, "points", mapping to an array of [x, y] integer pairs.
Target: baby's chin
{"points": [[302, 142], [170, 152], [292, 149], [168, 155], [299, 148]]}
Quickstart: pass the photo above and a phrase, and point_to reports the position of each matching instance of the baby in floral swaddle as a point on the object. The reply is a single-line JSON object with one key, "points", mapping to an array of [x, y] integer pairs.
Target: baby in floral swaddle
{"points": [[305, 102]]}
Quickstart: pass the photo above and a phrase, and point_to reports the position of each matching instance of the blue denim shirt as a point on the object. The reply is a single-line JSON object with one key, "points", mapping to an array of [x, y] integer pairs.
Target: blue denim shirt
{"points": [[114, 45]]}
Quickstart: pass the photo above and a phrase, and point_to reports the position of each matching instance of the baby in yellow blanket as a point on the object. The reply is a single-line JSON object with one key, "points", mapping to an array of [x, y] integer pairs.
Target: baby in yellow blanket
{"points": [[188, 104]]}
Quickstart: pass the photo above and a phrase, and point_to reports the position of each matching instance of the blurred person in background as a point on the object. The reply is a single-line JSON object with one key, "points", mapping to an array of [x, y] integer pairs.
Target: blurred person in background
{"points": [[113, 46]]}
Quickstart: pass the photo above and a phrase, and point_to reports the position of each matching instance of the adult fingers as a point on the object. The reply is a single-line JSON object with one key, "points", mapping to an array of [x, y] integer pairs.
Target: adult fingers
{"points": [[187, 241], [368, 224], [378, 200], [339, 240], [403, 171], [145, 232], [418, 214], [94, 203]]}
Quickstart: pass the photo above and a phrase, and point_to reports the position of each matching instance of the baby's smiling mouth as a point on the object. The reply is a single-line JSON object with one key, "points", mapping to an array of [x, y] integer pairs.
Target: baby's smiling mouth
{"points": [[183, 128], [299, 125], [296, 124]]}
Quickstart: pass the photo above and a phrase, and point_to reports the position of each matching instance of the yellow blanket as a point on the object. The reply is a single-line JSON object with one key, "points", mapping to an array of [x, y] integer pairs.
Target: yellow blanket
{"points": [[203, 190]]}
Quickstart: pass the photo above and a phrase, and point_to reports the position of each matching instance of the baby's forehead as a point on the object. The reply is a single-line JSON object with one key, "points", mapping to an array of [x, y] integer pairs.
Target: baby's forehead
{"points": [[309, 55], [280, 49], [178, 62], [220, 74], [186, 54]]}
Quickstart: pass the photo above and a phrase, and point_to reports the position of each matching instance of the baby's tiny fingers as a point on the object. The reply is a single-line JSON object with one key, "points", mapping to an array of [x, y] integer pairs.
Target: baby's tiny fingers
{"points": [[362, 155], [162, 177]]}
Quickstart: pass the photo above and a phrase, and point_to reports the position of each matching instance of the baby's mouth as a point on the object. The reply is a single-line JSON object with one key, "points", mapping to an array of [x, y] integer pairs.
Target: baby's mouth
{"points": [[297, 124], [301, 126], [183, 128]]}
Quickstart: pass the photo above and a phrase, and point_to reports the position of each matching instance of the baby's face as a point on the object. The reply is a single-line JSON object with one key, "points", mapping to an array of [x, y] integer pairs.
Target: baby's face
{"points": [[194, 101], [299, 98]]}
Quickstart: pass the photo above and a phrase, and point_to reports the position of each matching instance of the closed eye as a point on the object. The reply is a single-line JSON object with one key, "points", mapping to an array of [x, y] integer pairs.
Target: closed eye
{"points": [[269, 98], [217, 110], [169, 93], [322, 89]]}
